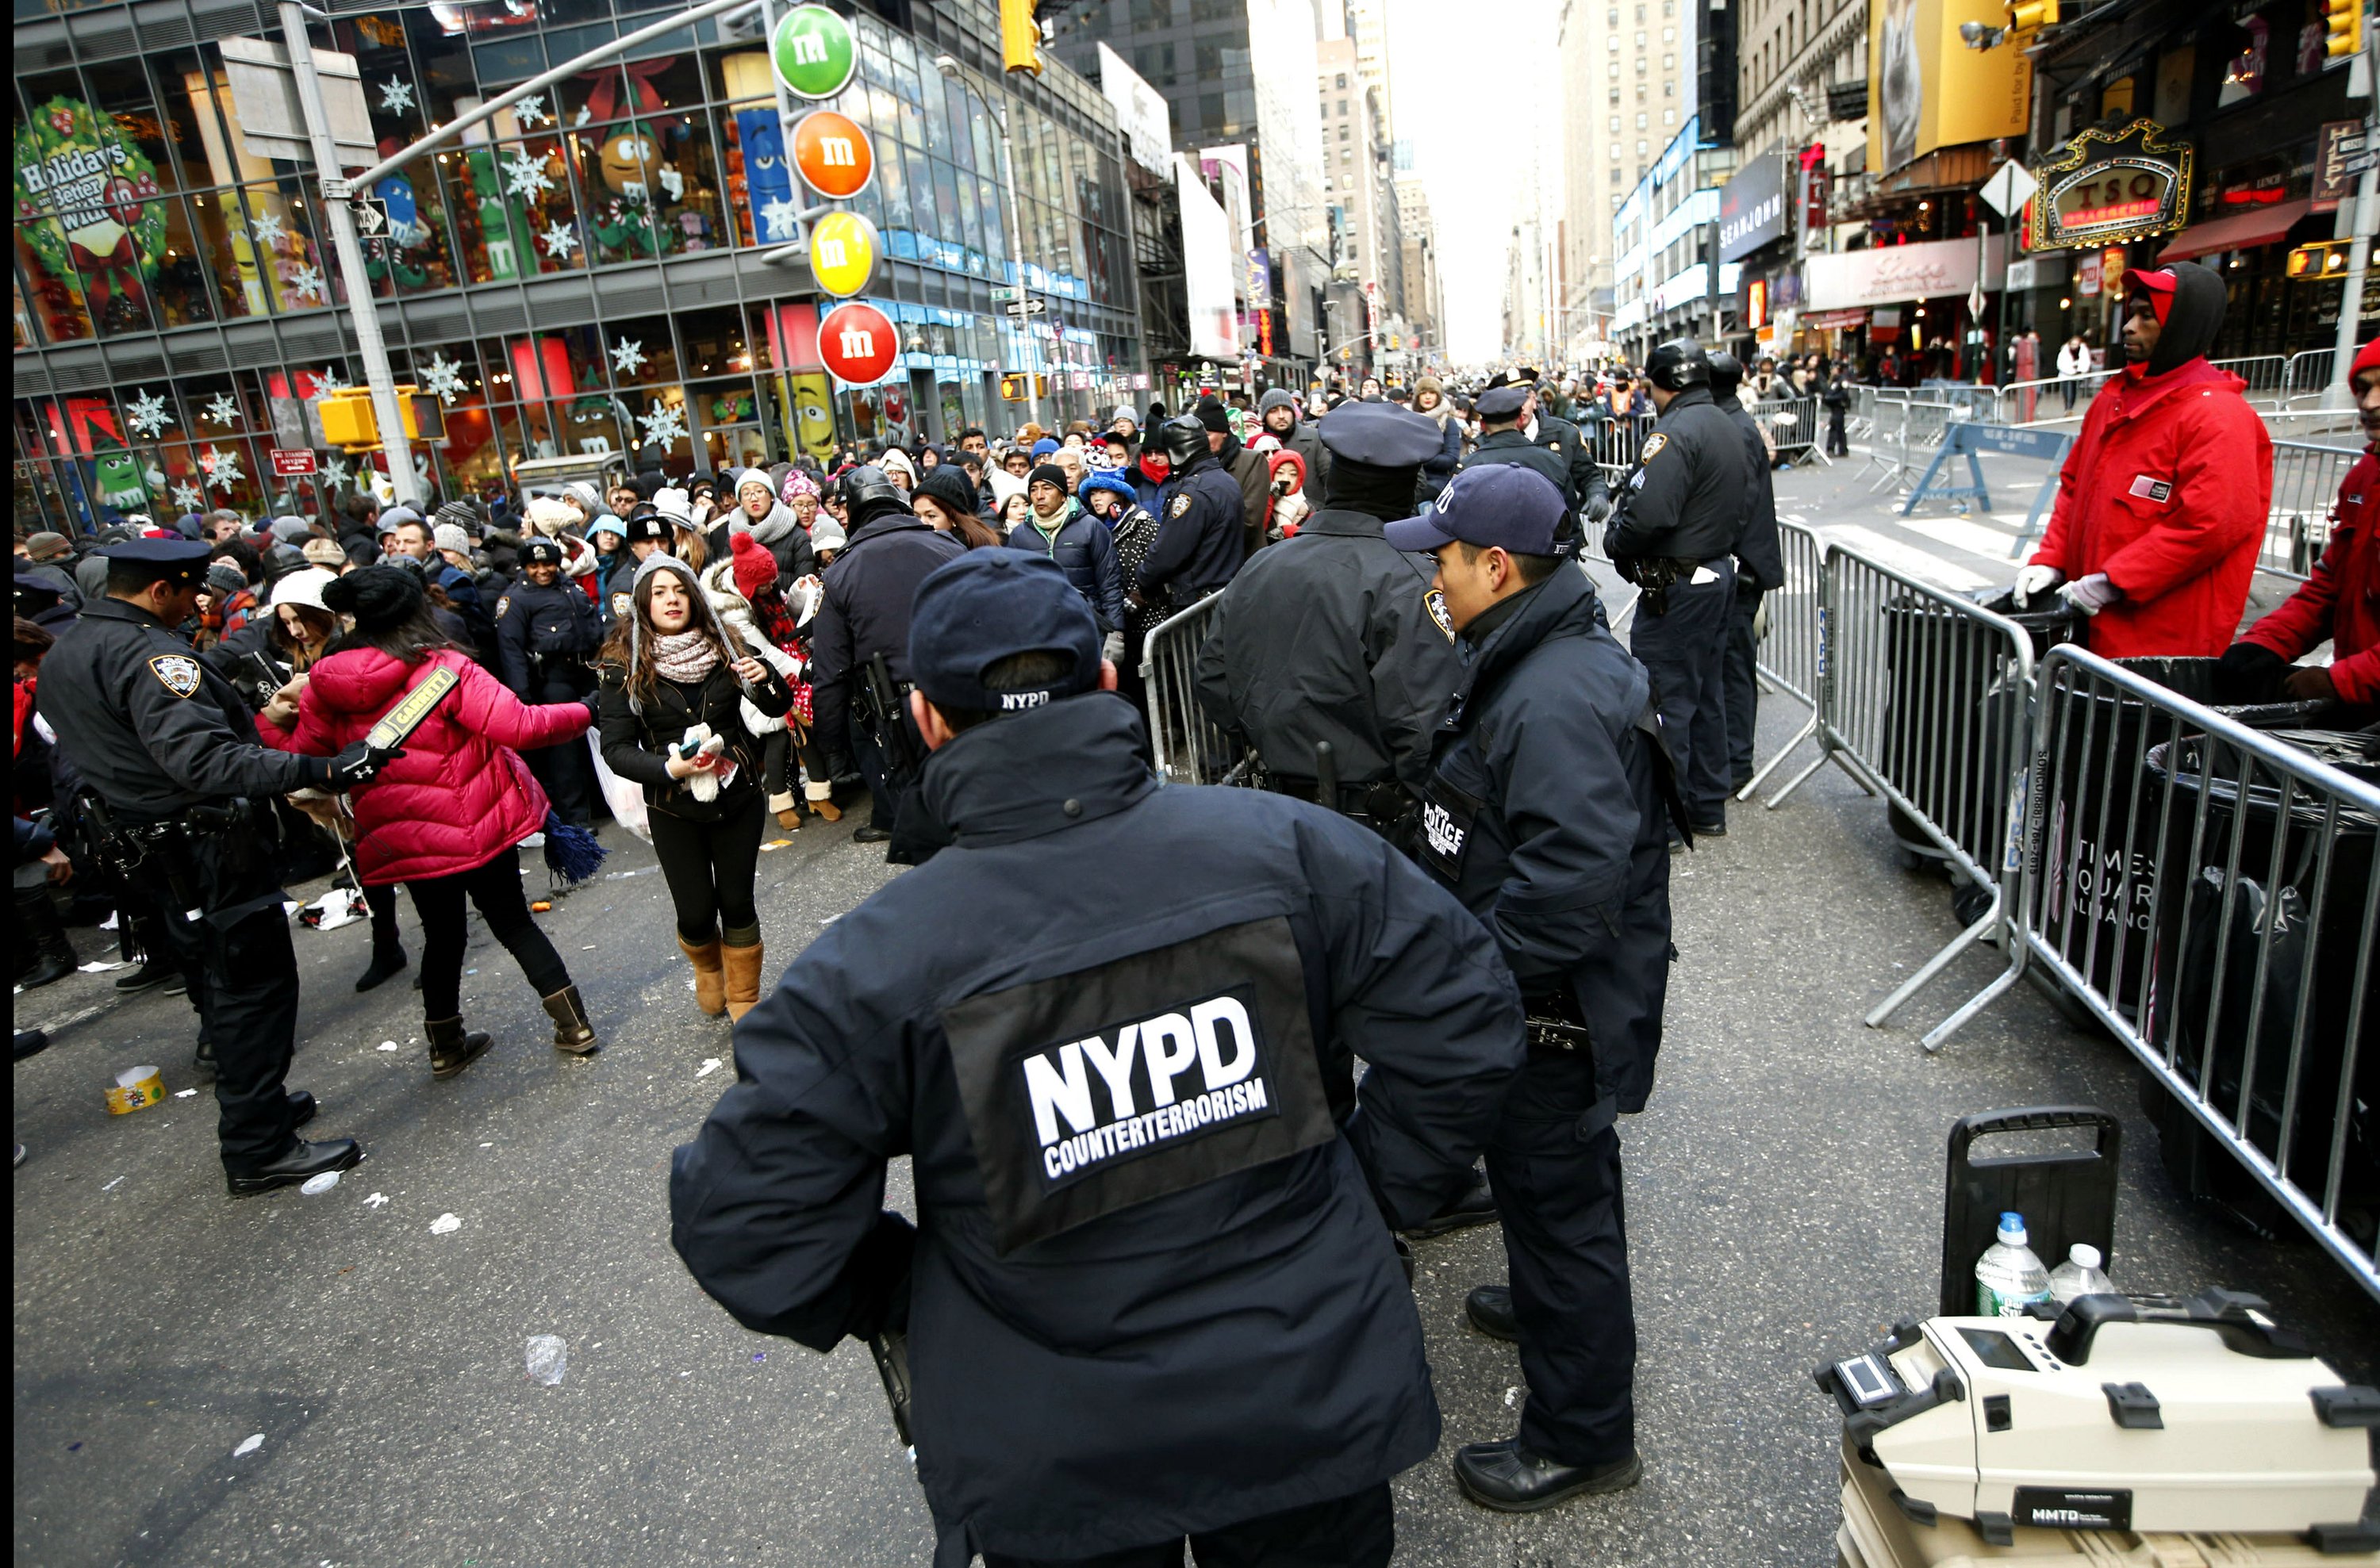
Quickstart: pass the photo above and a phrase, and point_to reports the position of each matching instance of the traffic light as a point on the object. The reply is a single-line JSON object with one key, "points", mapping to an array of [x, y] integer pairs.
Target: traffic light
{"points": [[1011, 389], [2342, 25], [348, 420], [1020, 36], [2032, 16], [2324, 259]]}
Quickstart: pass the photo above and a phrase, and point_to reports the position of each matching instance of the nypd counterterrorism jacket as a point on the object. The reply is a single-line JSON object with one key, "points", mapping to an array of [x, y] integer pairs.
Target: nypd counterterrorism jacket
{"points": [[1334, 636], [1684, 500], [1545, 814], [1150, 1290], [1201, 533]]}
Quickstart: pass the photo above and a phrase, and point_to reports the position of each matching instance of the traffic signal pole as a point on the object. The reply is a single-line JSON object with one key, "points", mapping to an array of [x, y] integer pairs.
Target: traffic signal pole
{"points": [[2359, 216]]}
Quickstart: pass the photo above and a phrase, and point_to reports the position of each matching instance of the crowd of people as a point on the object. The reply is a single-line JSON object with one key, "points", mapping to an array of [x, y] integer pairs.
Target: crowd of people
{"points": [[1114, 1026]]}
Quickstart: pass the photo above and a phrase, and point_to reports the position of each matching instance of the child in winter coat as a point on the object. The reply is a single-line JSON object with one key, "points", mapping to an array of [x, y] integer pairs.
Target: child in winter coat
{"points": [[1286, 505]]}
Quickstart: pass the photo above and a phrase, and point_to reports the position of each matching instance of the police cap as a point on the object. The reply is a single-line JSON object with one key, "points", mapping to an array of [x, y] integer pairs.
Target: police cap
{"points": [[645, 525], [159, 561], [541, 552], [1380, 434], [1502, 505], [1501, 402], [986, 605]]}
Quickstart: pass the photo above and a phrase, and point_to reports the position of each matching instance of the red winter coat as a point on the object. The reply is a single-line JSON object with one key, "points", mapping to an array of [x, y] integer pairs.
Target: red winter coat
{"points": [[2166, 491], [2341, 600], [460, 796]]}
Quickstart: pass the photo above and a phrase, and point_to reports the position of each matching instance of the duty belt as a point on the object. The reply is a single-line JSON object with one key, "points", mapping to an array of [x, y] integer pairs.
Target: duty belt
{"points": [[1353, 800], [1547, 1032]]}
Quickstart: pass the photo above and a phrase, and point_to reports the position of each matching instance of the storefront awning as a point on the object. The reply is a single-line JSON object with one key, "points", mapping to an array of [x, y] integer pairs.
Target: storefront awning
{"points": [[2239, 232]]}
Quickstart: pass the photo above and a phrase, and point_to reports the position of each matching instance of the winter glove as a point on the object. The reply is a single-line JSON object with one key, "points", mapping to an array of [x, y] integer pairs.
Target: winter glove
{"points": [[1113, 649], [359, 764], [1599, 507], [2032, 580], [1760, 620], [2091, 595], [2248, 672], [2310, 684]]}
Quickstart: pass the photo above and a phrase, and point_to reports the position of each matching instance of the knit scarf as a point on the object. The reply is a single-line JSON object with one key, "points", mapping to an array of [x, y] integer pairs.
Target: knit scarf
{"points": [[684, 656]]}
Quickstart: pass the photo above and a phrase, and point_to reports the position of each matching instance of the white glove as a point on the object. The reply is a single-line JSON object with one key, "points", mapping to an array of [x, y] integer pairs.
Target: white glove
{"points": [[2091, 595], [1760, 619], [1113, 649], [2032, 580]]}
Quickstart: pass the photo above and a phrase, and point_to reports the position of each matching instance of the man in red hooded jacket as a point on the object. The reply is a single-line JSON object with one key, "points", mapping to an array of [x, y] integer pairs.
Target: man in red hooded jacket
{"points": [[2340, 601], [2162, 504]]}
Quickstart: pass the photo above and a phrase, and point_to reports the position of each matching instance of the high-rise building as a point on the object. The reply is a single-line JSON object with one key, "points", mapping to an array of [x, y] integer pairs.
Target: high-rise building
{"points": [[1359, 183], [1628, 73], [1235, 73], [601, 271], [1425, 294]]}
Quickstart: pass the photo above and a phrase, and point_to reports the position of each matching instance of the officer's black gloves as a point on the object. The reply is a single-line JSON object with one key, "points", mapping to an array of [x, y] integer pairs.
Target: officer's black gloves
{"points": [[359, 764], [2248, 673], [1599, 507]]}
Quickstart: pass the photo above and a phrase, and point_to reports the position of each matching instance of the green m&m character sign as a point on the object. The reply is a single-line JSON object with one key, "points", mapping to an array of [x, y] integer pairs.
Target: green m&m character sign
{"points": [[813, 52]]}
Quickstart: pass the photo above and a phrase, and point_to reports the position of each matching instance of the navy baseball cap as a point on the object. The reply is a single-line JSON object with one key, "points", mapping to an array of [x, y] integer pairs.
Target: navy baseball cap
{"points": [[988, 604], [1502, 505]]}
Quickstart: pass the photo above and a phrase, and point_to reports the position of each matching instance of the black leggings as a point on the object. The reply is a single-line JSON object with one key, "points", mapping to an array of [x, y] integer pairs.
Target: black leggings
{"points": [[495, 887], [709, 866]]}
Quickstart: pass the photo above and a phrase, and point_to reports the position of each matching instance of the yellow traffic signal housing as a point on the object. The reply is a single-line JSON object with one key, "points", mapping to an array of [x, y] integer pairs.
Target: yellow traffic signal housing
{"points": [[2032, 16], [2324, 259], [2342, 24], [348, 420], [1012, 387], [1020, 36]]}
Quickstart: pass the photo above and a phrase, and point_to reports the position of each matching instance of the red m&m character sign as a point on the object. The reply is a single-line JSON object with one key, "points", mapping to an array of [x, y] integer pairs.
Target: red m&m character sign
{"points": [[858, 343]]}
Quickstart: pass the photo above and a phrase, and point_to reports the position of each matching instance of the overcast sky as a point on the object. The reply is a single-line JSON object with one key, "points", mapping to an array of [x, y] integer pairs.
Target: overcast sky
{"points": [[1477, 91]]}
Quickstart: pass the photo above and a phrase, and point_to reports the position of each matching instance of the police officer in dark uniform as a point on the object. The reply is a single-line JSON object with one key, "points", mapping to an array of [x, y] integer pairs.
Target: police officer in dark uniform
{"points": [[1544, 813], [546, 633], [1201, 522], [1679, 518], [183, 790], [644, 530], [1589, 491], [1333, 638], [1501, 412], [1142, 1217], [1759, 569], [864, 612]]}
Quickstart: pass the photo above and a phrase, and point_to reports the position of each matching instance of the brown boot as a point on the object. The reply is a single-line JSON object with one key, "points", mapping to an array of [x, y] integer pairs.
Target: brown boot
{"points": [[572, 1032], [710, 992], [822, 800], [743, 965], [453, 1047], [788, 811]]}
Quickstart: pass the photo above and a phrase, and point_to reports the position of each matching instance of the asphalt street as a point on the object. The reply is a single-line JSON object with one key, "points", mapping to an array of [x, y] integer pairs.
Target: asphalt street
{"points": [[339, 1379]]}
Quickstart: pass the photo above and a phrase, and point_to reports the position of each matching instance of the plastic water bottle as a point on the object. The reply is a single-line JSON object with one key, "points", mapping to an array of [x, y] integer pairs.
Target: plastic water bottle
{"points": [[2008, 1277], [2079, 1275]]}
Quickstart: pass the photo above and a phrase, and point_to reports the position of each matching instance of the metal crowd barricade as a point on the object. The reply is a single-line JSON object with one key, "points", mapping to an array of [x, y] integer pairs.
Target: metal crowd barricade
{"points": [[2305, 486], [1796, 429], [1187, 746], [2307, 378], [1859, 421], [1615, 442], [2208, 893], [1924, 700], [1792, 656]]}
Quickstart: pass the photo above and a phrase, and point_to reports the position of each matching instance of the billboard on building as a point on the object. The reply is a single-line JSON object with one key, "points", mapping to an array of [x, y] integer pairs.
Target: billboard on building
{"points": [[1752, 205], [1141, 112], [1928, 88], [1210, 265]]}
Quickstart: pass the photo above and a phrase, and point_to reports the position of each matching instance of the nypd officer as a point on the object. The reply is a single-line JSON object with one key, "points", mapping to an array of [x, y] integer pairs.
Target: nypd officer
{"points": [[1589, 491], [1544, 813], [545, 634], [172, 754], [1680, 516], [1759, 569], [1334, 638], [1144, 1219], [1201, 522], [1502, 411]]}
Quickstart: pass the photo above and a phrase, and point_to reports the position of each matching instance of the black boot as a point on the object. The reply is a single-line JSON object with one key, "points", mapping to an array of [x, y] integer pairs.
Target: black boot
{"points": [[1512, 1478], [1489, 1308], [1475, 1206], [299, 1162], [152, 974], [453, 1047], [387, 962], [37, 928], [572, 1032]]}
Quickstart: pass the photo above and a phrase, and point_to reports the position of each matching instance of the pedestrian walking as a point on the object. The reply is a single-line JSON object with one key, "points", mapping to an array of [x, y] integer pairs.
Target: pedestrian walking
{"points": [[1151, 1197], [675, 686], [2162, 501], [1681, 517], [444, 818], [1544, 813], [170, 749]]}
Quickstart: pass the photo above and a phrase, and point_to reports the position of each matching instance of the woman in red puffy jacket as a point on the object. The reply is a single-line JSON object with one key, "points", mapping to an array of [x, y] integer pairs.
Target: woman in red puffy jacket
{"points": [[446, 817]]}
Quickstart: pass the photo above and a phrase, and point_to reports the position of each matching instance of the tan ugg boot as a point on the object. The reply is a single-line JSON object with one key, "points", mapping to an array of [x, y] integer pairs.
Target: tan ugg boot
{"points": [[742, 962], [709, 986]]}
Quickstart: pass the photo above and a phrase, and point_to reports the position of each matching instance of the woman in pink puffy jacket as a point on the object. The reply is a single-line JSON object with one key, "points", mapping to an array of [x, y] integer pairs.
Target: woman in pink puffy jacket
{"points": [[446, 817]]}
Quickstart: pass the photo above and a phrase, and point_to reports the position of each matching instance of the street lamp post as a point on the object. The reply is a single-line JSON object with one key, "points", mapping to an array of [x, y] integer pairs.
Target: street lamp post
{"points": [[949, 65]]}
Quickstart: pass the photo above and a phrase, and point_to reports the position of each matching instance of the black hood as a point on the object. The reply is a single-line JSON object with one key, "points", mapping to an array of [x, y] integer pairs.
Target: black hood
{"points": [[2193, 321]]}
